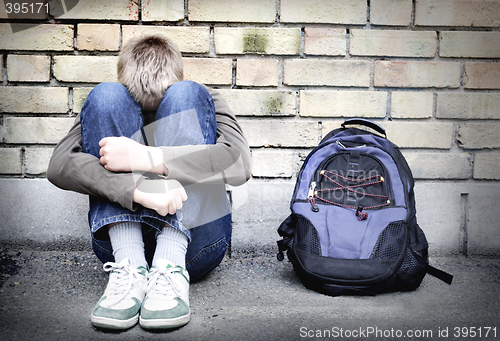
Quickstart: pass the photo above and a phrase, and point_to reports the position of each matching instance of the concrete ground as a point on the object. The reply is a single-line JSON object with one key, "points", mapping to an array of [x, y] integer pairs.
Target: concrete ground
{"points": [[49, 295]]}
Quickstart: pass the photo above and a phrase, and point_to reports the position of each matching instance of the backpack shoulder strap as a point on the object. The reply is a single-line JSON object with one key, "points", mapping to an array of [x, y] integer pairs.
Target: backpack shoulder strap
{"points": [[287, 231], [444, 276]]}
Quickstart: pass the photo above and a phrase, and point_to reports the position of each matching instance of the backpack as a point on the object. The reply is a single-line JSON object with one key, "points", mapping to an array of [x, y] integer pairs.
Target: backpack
{"points": [[353, 227]]}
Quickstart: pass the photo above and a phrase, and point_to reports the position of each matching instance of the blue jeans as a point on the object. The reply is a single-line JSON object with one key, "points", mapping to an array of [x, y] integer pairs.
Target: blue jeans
{"points": [[185, 116]]}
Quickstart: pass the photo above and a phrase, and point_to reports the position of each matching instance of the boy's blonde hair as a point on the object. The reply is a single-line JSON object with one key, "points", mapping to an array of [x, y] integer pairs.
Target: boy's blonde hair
{"points": [[147, 66]]}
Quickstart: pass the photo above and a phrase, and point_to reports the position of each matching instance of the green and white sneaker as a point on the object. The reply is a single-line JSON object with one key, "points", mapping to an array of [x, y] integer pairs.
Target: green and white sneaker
{"points": [[121, 302], [167, 299]]}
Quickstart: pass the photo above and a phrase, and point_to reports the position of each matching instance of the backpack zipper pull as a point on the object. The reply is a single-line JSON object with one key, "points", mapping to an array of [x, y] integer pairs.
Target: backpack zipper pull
{"points": [[314, 207], [312, 187], [310, 196], [361, 215]]}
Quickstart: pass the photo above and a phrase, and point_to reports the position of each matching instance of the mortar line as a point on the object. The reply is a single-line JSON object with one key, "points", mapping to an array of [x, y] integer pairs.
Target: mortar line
{"points": [[75, 36], [4, 69], [23, 163], [388, 106], [211, 37], [302, 48], [70, 101], [412, 19], [233, 73], [277, 18], [347, 44], [368, 24], [464, 231], [139, 11]]}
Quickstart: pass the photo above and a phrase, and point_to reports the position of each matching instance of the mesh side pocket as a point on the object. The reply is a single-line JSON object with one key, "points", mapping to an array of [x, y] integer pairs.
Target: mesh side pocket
{"points": [[307, 239], [413, 264], [391, 241], [412, 270]]}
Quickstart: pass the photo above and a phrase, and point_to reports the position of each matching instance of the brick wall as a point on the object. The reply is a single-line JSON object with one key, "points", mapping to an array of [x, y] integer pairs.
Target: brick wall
{"points": [[426, 70]]}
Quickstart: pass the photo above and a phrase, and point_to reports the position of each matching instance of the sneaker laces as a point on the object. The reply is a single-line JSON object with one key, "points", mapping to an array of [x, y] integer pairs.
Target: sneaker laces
{"points": [[125, 277], [161, 282]]}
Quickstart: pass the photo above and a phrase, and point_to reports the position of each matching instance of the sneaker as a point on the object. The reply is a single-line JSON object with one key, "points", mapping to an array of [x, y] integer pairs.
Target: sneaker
{"points": [[121, 302], [167, 299]]}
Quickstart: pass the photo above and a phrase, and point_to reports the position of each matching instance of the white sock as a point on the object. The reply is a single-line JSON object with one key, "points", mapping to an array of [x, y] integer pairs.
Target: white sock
{"points": [[126, 240], [171, 244]]}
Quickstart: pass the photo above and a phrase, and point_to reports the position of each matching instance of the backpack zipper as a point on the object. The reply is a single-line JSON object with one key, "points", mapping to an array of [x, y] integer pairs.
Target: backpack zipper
{"points": [[310, 196]]}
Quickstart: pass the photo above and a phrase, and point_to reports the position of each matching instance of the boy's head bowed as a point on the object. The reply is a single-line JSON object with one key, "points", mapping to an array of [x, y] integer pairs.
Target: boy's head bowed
{"points": [[147, 66]]}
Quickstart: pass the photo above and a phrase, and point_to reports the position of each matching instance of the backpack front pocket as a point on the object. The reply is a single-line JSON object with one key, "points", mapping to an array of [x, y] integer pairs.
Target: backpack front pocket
{"points": [[353, 180]]}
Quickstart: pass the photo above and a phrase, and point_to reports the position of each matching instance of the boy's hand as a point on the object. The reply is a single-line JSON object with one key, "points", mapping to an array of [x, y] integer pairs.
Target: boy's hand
{"points": [[163, 196], [121, 154]]}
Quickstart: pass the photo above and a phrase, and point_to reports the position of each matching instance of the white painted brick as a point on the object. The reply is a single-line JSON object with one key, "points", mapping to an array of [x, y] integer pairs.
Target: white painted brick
{"points": [[28, 68], [417, 74], [100, 10], [242, 40], [260, 102], [482, 75], [469, 44], [257, 72], [473, 135], [163, 10], [86, 69], [325, 41], [468, 105], [11, 161], [98, 37], [272, 163], [393, 43], [79, 97], [475, 13], [391, 12], [263, 11], [419, 134], [44, 37], [327, 72], [327, 126], [411, 104], [439, 165], [487, 166], [320, 11], [30, 99], [328, 103], [279, 133], [188, 39], [36, 129], [37, 160], [209, 70], [413, 134]]}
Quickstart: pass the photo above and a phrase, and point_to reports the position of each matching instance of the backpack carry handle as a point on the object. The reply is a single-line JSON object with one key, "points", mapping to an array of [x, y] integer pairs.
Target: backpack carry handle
{"points": [[365, 123]]}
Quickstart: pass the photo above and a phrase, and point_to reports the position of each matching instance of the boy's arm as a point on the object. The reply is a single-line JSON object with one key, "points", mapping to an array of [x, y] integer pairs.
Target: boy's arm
{"points": [[72, 169], [227, 161]]}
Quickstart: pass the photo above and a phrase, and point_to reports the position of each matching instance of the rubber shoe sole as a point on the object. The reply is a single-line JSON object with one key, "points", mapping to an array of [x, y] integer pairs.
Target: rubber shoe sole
{"points": [[109, 323], [165, 323]]}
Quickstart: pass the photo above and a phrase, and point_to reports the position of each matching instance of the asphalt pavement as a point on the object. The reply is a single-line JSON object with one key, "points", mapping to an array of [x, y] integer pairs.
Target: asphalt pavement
{"points": [[49, 295]]}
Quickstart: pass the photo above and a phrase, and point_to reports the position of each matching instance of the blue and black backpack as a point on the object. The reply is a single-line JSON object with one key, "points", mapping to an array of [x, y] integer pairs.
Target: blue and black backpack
{"points": [[353, 226]]}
